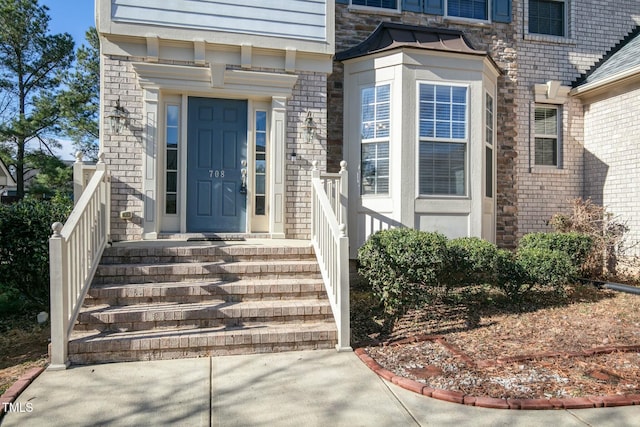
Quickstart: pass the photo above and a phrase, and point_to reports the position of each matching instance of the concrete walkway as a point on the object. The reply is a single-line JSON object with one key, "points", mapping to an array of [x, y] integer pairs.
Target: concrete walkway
{"points": [[313, 388]]}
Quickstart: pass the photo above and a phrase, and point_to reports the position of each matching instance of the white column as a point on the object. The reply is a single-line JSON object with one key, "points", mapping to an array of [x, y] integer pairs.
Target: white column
{"points": [[278, 169], [150, 166]]}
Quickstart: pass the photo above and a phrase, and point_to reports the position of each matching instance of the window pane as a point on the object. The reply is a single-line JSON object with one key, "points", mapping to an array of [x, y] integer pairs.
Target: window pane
{"points": [[427, 93], [260, 205], [458, 130], [546, 120], [375, 168], [443, 94], [172, 159], [547, 17], [442, 168], [383, 93], [171, 205], [443, 130], [546, 151], [474, 9], [172, 137], [488, 119], [443, 111], [368, 96], [172, 115], [261, 142], [458, 113], [427, 129], [376, 112], [261, 121], [260, 184], [172, 182], [386, 4], [261, 166], [488, 172]]}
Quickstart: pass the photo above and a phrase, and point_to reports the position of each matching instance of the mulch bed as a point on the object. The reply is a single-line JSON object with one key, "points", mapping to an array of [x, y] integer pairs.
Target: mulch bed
{"points": [[587, 344]]}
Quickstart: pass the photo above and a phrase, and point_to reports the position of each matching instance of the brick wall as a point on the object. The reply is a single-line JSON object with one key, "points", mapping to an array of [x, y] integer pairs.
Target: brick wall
{"points": [[612, 158], [595, 26], [309, 94], [124, 152]]}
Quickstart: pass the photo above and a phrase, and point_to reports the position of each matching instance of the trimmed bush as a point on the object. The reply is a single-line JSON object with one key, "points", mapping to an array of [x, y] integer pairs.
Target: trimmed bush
{"points": [[25, 228], [547, 267], [577, 246], [511, 277], [470, 260], [400, 264]]}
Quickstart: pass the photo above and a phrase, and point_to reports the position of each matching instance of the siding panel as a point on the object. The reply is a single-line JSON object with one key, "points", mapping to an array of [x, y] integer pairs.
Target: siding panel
{"points": [[297, 19]]}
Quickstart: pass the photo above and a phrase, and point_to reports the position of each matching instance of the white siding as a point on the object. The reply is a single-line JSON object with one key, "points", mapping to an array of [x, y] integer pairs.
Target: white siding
{"points": [[297, 19]]}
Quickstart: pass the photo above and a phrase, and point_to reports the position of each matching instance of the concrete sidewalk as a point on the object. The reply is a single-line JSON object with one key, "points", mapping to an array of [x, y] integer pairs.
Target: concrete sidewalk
{"points": [[313, 388]]}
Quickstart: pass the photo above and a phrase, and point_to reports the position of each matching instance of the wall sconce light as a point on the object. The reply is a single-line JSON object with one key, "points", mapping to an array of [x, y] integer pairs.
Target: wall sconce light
{"points": [[309, 127], [117, 117], [294, 157]]}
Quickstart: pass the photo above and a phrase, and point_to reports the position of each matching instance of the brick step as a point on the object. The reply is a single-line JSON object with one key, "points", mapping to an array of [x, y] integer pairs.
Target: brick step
{"points": [[177, 272], [207, 253], [200, 315], [94, 347], [197, 291]]}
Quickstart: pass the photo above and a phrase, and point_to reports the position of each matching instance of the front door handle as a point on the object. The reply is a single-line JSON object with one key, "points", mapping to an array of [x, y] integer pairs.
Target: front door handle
{"points": [[243, 184]]}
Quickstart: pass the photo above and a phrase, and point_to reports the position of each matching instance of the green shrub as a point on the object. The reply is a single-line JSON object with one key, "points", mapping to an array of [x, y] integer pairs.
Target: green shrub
{"points": [[511, 277], [546, 267], [577, 246], [470, 260], [400, 264], [25, 228]]}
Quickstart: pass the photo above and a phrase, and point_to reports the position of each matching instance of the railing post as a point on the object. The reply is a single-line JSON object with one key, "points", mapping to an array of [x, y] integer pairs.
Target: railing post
{"points": [[344, 332], [344, 195], [106, 194], [59, 300], [78, 177]]}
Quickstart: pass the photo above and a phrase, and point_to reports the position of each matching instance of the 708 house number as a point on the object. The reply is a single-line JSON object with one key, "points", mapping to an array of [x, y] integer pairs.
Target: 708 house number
{"points": [[18, 407]]}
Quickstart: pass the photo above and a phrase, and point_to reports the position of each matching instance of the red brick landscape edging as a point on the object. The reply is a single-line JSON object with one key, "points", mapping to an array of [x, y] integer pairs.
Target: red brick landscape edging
{"points": [[496, 403], [12, 393]]}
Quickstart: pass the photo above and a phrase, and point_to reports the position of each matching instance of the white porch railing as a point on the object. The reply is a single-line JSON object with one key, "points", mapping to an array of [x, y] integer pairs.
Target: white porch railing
{"points": [[331, 244], [75, 250]]}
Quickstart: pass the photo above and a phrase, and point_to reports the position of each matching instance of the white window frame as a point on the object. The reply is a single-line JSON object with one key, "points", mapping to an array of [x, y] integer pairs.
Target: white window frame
{"points": [[557, 136], [465, 140], [464, 18], [376, 141], [565, 18], [489, 143]]}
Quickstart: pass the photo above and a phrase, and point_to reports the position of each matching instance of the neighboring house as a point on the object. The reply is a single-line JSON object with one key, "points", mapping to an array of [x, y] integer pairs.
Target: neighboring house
{"points": [[8, 185], [453, 115]]}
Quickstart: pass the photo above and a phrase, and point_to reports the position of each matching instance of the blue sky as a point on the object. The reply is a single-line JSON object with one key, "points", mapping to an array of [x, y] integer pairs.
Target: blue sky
{"points": [[73, 17], [70, 16]]}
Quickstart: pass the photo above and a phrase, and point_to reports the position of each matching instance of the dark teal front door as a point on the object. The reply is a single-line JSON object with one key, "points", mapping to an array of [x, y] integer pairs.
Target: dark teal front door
{"points": [[216, 149]]}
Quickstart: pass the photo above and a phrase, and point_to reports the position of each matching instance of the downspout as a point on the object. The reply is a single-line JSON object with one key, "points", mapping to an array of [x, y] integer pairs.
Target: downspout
{"points": [[619, 287]]}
